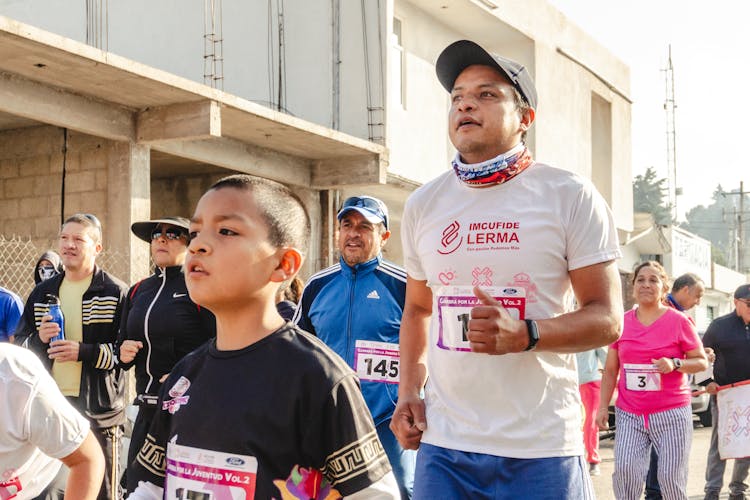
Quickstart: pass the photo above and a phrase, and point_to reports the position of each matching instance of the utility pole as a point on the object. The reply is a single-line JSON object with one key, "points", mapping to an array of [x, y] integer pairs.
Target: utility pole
{"points": [[739, 219], [740, 241]]}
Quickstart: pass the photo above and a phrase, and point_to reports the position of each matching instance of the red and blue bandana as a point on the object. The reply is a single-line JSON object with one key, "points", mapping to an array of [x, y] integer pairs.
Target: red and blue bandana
{"points": [[495, 171]]}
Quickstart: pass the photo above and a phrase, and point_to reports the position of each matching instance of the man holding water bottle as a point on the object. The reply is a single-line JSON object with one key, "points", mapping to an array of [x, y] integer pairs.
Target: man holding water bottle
{"points": [[81, 357]]}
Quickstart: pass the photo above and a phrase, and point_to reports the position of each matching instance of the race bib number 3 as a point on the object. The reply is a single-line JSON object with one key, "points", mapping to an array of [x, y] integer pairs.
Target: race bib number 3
{"points": [[376, 361], [194, 473], [642, 377], [454, 312]]}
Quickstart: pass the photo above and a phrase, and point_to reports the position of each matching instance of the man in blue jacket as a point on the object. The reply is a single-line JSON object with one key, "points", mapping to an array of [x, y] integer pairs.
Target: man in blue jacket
{"points": [[355, 307]]}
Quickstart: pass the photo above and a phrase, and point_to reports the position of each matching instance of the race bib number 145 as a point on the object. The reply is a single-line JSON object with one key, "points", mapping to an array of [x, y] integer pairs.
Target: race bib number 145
{"points": [[376, 361]]}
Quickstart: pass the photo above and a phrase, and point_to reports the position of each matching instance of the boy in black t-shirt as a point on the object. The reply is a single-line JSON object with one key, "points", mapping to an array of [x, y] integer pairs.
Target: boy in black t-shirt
{"points": [[265, 410]]}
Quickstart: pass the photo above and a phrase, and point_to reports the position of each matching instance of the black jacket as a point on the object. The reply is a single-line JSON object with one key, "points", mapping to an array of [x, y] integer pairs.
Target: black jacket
{"points": [[729, 337], [102, 397], [159, 313]]}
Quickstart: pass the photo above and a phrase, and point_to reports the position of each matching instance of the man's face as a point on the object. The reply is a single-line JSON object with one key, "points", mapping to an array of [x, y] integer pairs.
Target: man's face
{"points": [[743, 309], [77, 247], [359, 239], [484, 120], [689, 296]]}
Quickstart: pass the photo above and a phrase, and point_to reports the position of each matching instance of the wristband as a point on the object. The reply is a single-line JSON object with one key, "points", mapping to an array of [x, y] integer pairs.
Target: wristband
{"points": [[533, 334]]}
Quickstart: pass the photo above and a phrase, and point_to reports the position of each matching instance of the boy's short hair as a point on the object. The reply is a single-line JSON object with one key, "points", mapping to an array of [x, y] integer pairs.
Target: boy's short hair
{"points": [[90, 222], [284, 214]]}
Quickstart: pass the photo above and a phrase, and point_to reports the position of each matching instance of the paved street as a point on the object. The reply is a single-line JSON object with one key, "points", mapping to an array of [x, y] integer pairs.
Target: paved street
{"points": [[698, 454]]}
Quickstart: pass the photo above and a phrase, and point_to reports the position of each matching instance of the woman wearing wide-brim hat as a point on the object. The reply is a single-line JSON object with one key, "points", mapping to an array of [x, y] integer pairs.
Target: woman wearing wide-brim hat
{"points": [[160, 324]]}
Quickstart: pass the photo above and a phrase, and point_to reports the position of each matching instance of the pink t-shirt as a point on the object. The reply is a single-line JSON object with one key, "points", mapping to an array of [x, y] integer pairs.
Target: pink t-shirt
{"points": [[642, 390]]}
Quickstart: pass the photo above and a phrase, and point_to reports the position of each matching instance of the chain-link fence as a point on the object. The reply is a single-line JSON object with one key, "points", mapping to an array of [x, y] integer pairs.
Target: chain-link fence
{"points": [[19, 255]]}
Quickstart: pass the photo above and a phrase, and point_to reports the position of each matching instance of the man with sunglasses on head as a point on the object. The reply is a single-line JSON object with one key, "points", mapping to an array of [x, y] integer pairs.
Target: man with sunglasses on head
{"points": [[495, 250], [729, 337], [82, 356], [160, 324], [355, 307]]}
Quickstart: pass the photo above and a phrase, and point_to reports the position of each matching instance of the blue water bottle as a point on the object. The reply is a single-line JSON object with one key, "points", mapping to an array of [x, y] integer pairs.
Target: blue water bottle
{"points": [[53, 309]]}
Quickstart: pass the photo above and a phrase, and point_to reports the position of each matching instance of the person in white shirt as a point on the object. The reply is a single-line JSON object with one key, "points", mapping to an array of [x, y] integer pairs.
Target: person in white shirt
{"points": [[495, 250], [39, 431]]}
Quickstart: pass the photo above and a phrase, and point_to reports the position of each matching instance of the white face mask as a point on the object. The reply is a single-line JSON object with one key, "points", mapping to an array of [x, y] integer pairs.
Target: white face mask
{"points": [[46, 272]]}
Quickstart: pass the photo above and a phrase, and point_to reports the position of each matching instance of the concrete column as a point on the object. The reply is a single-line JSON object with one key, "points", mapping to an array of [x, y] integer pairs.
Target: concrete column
{"points": [[128, 200], [310, 198]]}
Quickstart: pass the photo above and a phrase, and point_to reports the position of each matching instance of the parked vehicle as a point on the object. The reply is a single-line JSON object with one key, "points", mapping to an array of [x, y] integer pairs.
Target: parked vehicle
{"points": [[700, 404]]}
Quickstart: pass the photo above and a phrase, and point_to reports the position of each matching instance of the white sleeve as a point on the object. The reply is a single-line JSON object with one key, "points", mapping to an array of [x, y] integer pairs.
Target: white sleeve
{"points": [[591, 230], [412, 263], [55, 427], [385, 488], [147, 491]]}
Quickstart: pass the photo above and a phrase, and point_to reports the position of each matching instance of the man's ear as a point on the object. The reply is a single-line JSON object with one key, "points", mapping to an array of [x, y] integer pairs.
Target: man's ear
{"points": [[289, 265], [384, 237], [527, 119]]}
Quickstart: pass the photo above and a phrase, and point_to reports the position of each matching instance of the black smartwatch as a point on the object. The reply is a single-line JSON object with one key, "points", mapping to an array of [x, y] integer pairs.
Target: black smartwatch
{"points": [[533, 334], [677, 362]]}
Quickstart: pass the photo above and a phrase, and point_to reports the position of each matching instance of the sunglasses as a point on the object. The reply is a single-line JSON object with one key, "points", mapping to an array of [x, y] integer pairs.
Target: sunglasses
{"points": [[93, 220], [369, 203], [170, 234]]}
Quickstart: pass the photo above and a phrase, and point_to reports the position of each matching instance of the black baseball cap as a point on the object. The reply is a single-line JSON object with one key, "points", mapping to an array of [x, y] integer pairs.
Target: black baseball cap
{"points": [[459, 55], [742, 292]]}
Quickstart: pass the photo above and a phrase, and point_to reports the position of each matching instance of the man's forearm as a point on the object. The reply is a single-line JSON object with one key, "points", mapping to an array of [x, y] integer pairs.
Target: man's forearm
{"points": [[413, 351], [592, 326], [597, 321]]}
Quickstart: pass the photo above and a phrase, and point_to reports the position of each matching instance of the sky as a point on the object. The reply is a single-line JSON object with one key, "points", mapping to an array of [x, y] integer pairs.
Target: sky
{"points": [[710, 43]]}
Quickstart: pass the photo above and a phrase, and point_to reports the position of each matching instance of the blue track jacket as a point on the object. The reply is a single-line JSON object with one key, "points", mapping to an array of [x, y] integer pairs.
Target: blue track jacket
{"points": [[342, 304]]}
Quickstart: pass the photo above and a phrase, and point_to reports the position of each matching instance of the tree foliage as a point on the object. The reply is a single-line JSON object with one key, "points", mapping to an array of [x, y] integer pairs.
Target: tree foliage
{"points": [[649, 195], [715, 223]]}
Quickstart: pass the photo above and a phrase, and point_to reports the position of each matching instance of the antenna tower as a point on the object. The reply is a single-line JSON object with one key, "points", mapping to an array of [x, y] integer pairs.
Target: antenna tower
{"points": [[669, 108]]}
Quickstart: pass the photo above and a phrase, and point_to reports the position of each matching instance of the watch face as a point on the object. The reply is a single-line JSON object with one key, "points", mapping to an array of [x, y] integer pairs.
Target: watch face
{"points": [[533, 334]]}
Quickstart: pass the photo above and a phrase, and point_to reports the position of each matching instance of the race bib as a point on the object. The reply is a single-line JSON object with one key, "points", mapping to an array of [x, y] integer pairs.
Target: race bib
{"points": [[197, 474], [642, 377], [454, 304], [376, 361]]}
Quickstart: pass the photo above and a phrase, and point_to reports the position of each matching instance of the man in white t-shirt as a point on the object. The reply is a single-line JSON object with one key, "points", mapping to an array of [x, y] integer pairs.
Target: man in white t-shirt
{"points": [[38, 430], [495, 251]]}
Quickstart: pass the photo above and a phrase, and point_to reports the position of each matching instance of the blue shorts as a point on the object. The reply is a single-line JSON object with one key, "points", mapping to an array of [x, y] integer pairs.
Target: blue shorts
{"points": [[445, 473]]}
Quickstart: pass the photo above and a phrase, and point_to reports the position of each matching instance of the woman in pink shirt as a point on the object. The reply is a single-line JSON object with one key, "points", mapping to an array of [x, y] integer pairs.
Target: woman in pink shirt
{"points": [[658, 346]]}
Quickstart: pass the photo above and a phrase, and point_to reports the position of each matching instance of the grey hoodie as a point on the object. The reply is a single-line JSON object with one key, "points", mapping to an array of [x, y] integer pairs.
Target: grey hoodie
{"points": [[54, 259]]}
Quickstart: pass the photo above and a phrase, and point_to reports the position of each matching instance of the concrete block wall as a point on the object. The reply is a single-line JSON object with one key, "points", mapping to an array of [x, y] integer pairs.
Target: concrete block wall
{"points": [[31, 168], [31, 209], [30, 182], [177, 196]]}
